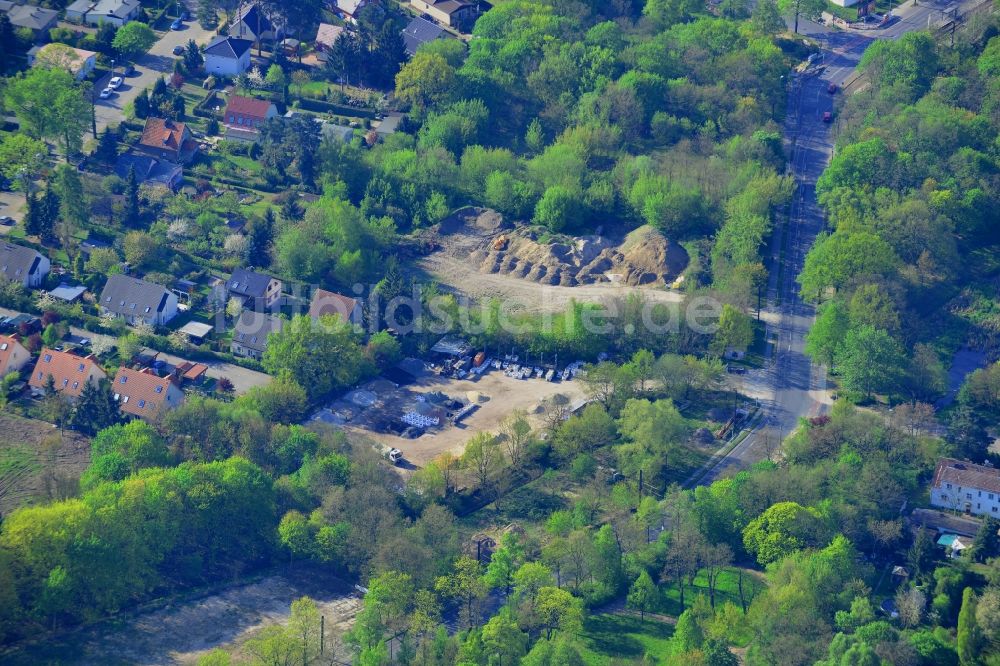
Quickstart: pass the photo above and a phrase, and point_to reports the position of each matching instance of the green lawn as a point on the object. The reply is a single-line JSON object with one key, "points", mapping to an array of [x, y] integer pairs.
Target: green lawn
{"points": [[727, 589], [252, 166], [609, 637]]}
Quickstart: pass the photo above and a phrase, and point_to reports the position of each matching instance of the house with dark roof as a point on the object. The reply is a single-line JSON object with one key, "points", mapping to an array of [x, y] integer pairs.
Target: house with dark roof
{"points": [[252, 23], [37, 19], [13, 355], [136, 300], [457, 14], [150, 170], [245, 115], [70, 373], [142, 394], [251, 332], [326, 35], [420, 31], [963, 486], [329, 303], [22, 264], [257, 291], [76, 11], [227, 56], [167, 139]]}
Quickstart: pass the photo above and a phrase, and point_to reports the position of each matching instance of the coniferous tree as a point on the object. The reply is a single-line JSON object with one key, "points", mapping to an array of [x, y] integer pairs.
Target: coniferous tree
{"points": [[107, 147], [32, 215], [260, 235], [131, 213], [48, 215], [290, 210], [141, 104], [7, 41], [96, 409]]}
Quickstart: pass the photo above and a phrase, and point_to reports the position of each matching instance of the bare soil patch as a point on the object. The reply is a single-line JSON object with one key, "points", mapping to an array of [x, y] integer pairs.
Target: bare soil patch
{"points": [[478, 253], [38, 462], [500, 395], [183, 631]]}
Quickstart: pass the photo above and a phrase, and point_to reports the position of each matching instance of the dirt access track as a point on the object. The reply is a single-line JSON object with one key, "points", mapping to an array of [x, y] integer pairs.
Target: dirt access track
{"points": [[477, 253], [502, 396], [181, 632]]}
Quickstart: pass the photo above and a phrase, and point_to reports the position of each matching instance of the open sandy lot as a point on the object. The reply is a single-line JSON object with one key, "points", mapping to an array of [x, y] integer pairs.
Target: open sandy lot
{"points": [[505, 394], [519, 295]]}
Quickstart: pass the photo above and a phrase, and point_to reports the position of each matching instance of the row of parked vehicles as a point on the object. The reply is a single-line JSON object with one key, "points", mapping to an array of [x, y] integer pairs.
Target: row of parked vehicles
{"points": [[512, 368]]}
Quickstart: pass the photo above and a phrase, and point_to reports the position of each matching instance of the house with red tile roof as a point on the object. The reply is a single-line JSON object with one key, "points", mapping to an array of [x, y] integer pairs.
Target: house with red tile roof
{"points": [[245, 115], [143, 394], [13, 355], [329, 303], [167, 139], [70, 373]]}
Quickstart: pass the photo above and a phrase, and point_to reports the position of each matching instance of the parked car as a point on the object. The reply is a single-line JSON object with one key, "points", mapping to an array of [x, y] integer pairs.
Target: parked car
{"points": [[129, 70], [736, 370], [827, 116], [177, 24], [178, 50], [116, 82], [832, 88], [106, 93], [6, 220], [185, 15]]}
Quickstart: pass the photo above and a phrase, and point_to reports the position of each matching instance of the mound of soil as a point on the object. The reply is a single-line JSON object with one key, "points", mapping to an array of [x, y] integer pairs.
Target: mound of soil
{"points": [[484, 239]]}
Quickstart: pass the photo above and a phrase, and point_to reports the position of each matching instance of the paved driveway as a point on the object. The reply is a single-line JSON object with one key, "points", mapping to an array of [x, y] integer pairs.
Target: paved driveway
{"points": [[159, 61]]}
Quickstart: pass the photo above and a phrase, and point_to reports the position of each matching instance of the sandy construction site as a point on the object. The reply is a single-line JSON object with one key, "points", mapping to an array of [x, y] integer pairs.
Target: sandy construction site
{"points": [[477, 253], [496, 396]]}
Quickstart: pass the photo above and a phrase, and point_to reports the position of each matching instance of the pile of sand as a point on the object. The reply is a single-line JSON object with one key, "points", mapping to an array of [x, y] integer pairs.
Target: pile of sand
{"points": [[486, 241], [646, 257]]}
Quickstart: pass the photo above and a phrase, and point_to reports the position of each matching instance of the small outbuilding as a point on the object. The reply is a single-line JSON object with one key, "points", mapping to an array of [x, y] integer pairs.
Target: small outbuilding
{"points": [[196, 331], [68, 293]]}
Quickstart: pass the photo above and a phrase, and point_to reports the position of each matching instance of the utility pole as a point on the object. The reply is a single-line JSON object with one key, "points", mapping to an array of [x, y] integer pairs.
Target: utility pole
{"points": [[322, 633]]}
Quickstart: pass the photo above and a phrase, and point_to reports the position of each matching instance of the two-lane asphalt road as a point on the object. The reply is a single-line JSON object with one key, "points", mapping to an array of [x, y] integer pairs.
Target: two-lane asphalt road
{"points": [[790, 386]]}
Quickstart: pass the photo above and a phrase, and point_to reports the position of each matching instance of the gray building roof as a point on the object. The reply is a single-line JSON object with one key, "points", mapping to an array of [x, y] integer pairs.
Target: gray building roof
{"points": [[148, 169], [29, 16], [254, 19], [67, 292], [249, 283], [389, 124], [116, 8], [337, 132], [130, 296], [420, 31], [17, 262], [80, 6], [252, 329], [228, 47]]}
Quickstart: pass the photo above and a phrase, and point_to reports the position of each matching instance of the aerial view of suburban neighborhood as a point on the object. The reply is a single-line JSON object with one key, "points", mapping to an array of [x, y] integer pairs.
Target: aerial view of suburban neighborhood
{"points": [[500, 332]]}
